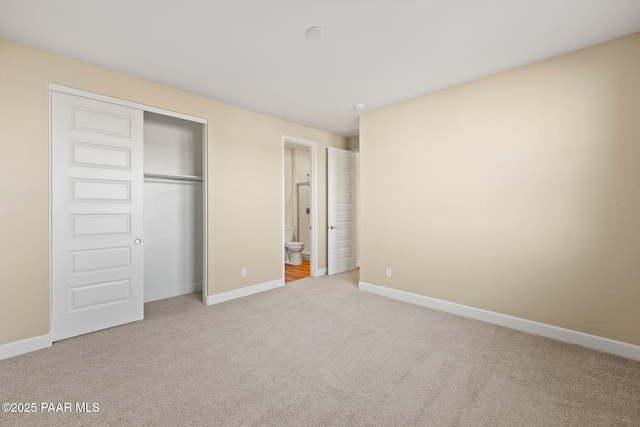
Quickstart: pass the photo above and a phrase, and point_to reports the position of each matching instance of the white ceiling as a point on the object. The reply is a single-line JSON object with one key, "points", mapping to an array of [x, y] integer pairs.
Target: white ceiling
{"points": [[254, 53]]}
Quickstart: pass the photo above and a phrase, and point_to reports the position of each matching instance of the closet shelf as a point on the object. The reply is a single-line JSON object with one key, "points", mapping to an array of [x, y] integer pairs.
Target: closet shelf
{"points": [[173, 177]]}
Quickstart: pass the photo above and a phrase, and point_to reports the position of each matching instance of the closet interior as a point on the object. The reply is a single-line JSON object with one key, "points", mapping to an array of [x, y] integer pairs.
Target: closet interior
{"points": [[173, 206]]}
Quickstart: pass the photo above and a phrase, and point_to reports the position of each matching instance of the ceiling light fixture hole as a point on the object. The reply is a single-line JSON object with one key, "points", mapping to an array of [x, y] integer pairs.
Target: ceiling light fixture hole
{"points": [[314, 33]]}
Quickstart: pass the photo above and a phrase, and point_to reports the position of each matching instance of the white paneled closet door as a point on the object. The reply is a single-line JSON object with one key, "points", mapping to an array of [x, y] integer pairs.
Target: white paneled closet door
{"points": [[97, 202]]}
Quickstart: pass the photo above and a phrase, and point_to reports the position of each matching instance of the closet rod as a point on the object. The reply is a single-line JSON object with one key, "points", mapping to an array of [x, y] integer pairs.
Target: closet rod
{"points": [[173, 177]]}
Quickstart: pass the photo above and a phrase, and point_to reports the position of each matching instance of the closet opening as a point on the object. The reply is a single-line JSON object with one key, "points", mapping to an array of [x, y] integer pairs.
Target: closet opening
{"points": [[173, 206]]}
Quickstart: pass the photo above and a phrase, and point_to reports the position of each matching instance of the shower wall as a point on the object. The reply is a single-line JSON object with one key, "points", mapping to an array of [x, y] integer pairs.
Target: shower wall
{"points": [[303, 226]]}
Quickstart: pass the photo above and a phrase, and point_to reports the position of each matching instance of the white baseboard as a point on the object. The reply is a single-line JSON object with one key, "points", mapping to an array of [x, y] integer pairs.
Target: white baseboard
{"points": [[594, 342], [173, 292], [243, 292], [321, 272], [17, 348]]}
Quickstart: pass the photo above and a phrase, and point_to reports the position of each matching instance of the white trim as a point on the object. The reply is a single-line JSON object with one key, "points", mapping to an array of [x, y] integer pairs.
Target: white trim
{"points": [[205, 217], [313, 149], [99, 97], [284, 211], [50, 176], [243, 292], [174, 292], [594, 342], [321, 272], [17, 348]]}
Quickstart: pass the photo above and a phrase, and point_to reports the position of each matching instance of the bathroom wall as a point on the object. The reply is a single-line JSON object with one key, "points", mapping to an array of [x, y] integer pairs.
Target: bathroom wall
{"points": [[302, 168], [288, 187], [297, 167]]}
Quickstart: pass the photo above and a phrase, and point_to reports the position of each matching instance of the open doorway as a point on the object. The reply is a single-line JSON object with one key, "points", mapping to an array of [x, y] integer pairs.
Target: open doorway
{"points": [[299, 209]]}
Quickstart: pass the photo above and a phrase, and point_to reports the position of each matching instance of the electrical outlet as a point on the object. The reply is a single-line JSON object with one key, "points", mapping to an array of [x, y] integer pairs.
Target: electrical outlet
{"points": [[388, 272], [243, 272]]}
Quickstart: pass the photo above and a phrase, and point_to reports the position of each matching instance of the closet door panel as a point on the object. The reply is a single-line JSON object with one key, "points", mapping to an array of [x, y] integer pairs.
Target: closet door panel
{"points": [[97, 202]]}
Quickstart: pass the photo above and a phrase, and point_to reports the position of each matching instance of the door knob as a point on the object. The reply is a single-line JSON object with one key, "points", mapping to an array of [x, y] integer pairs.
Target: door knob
{"points": [[332, 227], [137, 241]]}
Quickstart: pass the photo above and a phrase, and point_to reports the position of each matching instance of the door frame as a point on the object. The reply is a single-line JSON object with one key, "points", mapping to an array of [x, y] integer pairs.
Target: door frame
{"points": [[313, 150], [104, 98]]}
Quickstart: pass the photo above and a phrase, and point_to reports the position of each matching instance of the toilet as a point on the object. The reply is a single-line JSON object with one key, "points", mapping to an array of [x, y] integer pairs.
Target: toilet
{"points": [[293, 250]]}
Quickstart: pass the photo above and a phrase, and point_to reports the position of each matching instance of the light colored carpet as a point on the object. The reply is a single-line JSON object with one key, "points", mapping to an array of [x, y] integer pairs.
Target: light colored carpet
{"points": [[318, 352]]}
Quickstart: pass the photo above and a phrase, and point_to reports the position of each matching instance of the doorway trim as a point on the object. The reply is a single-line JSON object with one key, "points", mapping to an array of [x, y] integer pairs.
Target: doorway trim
{"points": [[99, 97], [313, 149]]}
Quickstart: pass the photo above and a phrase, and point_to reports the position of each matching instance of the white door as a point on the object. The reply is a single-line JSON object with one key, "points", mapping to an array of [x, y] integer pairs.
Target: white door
{"points": [[342, 198], [96, 191]]}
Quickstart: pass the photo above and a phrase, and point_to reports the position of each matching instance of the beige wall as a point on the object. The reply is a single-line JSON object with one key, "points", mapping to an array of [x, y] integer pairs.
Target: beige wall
{"points": [[353, 143], [245, 181], [297, 166], [518, 193], [288, 187]]}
